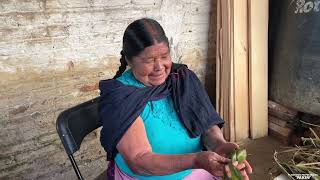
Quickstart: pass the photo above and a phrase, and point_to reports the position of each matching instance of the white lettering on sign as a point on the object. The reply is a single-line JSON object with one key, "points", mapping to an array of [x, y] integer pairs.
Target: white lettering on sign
{"points": [[306, 7], [304, 176]]}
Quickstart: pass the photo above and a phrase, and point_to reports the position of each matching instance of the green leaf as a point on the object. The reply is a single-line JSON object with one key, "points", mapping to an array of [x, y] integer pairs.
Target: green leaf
{"points": [[235, 174], [241, 155], [233, 156]]}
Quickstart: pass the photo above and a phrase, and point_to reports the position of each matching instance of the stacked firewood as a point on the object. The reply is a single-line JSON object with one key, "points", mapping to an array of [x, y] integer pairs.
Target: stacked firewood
{"points": [[280, 120], [289, 125]]}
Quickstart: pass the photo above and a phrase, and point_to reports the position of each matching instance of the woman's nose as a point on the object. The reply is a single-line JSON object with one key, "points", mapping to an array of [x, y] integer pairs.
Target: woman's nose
{"points": [[158, 65]]}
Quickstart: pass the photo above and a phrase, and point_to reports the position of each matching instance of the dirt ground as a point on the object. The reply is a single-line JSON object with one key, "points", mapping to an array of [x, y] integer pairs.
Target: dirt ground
{"points": [[260, 155]]}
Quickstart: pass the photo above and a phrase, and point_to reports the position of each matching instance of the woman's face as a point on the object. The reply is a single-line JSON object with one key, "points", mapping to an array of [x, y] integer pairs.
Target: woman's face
{"points": [[152, 66]]}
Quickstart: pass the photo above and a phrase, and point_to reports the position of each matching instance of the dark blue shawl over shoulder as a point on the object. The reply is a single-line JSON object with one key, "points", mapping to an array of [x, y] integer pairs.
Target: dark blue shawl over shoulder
{"points": [[120, 105]]}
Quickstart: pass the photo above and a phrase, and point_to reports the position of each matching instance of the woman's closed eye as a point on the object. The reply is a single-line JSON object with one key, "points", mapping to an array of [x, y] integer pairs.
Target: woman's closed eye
{"points": [[148, 61], [164, 57]]}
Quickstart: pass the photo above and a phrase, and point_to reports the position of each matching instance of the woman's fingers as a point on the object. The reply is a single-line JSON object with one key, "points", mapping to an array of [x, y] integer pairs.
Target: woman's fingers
{"points": [[236, 145], [217, 164], [216, 168], [228, 171], [212, 162], [248, 167], [244, 175], [226, 148], [223, 154], [241, 166], [214, 165], [219, 158], [244, 168]]}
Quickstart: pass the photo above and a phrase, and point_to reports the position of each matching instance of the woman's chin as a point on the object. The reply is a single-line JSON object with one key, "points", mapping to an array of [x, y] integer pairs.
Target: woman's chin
{"points": [[157, 82]]}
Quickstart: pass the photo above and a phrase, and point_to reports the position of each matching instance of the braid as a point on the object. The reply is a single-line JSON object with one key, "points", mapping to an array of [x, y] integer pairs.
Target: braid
{"points": [[122, 67]]}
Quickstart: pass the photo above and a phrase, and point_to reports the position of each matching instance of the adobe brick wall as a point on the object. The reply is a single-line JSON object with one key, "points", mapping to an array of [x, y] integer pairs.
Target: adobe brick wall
{"points": [[53, 53]]}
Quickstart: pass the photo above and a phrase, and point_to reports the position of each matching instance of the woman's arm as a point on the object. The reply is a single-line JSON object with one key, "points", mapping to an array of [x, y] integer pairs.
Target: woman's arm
{"points": [[213, 138], [137, 152]]}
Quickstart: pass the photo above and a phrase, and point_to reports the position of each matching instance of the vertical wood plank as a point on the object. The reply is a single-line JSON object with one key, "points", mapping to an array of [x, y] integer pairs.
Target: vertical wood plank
{"points": [[240, 68], [241, 77], [258, 67]]}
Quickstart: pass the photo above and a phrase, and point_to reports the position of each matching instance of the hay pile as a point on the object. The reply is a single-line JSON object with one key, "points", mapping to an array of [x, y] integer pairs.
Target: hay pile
{"points": [[301, 162]]}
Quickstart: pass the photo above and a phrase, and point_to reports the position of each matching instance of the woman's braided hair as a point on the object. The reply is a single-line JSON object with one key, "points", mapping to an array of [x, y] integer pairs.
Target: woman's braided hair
{"points": [[122, 67], [139, 34]]}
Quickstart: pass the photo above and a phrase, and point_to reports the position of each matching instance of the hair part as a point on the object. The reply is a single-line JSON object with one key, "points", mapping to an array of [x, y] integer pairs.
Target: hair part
{"points": [[139, 35]]}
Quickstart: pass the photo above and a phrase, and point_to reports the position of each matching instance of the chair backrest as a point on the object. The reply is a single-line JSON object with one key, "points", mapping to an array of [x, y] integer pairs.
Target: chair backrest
{"points": [[75, 123]]}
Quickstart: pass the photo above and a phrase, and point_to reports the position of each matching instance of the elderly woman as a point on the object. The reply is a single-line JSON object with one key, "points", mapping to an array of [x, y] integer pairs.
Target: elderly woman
{"points": [[158, 122]]}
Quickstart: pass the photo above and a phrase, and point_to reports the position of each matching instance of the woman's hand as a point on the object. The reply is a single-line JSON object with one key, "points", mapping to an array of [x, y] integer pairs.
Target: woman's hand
{"points": [[226, 148], [211, 162], [244, 167]]}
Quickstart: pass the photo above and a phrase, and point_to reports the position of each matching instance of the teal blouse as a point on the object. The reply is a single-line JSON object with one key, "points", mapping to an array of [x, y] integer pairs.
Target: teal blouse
{"points": [[165, 132]]}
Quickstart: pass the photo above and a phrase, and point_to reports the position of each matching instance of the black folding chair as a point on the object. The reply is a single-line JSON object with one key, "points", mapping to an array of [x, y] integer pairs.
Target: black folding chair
{"points": [[74, 124]]}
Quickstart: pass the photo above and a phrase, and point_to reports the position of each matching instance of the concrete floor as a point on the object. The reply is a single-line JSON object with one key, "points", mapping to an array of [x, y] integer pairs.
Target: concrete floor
{"points": [[260, 155]]}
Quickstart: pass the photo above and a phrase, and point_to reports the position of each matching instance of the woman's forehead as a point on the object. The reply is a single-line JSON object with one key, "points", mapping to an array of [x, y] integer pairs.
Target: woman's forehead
{"points": [[155, 50]]}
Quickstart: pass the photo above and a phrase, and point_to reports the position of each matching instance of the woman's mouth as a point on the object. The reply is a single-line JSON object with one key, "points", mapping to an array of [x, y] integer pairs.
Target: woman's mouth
{"points": [[157, 76]]}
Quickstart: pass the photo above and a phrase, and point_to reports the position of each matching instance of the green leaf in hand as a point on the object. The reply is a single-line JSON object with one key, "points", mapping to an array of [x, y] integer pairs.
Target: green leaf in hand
{"points": [[235, 174], [233, 156], [241, 155]]}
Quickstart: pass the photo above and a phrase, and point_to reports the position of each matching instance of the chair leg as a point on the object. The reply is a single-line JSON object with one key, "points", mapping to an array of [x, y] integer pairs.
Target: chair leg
{"points": [[75, 167]]}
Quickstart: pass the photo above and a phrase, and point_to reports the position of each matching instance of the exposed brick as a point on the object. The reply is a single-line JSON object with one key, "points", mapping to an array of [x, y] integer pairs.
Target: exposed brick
{"points": [[19, 109], [88, 88]]}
